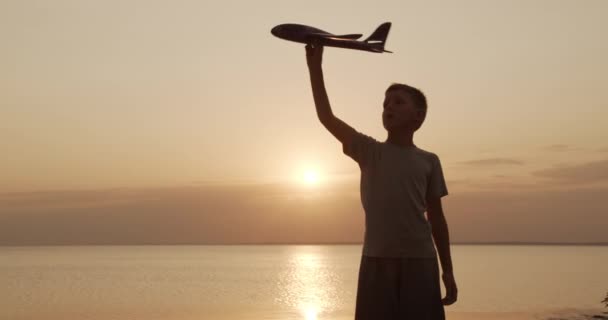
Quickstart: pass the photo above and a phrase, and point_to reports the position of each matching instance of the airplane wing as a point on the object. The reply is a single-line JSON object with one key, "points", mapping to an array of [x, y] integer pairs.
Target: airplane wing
{"points": [[370, 46], [340, 37], [349, 36], [380, 50]]}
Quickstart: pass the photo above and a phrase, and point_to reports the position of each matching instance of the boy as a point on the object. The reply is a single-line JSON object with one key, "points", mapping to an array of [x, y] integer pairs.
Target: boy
{"points": [[399, 273]]}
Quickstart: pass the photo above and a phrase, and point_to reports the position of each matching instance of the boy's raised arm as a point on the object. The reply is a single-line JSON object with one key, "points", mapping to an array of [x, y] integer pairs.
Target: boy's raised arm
{"points": [[337, 127]]}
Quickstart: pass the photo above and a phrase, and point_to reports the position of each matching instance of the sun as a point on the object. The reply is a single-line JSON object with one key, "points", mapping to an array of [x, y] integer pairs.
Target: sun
{"points": [[310, 177]]}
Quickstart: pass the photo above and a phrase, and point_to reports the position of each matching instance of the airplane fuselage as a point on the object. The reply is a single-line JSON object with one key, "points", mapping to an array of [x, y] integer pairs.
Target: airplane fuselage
{"points": [[297, 32]]}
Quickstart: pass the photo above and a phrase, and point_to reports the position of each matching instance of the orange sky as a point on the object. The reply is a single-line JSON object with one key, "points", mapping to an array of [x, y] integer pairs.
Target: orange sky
{"points": [[137, 111]]}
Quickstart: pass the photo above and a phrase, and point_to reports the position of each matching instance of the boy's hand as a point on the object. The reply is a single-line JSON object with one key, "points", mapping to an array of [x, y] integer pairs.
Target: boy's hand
{"points": [[314, 55], [451, 294]]}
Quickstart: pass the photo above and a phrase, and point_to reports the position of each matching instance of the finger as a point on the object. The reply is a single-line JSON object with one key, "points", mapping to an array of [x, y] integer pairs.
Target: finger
{"points": [[309, 50], [453, 299], [448, 300], [445, 301], [449, 296]]}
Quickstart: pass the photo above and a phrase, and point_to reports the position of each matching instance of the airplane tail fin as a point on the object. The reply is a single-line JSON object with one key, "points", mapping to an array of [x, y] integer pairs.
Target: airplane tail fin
{"points": [[380, 34]]}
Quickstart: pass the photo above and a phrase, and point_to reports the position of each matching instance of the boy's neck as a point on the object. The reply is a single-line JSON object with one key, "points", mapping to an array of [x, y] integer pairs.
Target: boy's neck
{"points": [[401, 138]]}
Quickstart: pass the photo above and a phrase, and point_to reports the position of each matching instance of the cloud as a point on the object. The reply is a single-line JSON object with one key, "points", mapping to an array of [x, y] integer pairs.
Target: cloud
{"points": [[574, 215], [492, 162], [560, 148], [498, 186], [590, 172]]}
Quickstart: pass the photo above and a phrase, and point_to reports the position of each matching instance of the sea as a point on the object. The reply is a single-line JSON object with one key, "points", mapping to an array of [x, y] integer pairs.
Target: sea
{"points": [[306, 282]]}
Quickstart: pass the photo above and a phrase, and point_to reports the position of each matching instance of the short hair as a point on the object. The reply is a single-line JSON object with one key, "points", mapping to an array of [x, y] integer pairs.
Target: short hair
{"points": [[415, 94]]}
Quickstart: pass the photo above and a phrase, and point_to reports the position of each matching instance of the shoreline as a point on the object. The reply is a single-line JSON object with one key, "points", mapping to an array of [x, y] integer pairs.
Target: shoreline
{"points": [[582, 244]]}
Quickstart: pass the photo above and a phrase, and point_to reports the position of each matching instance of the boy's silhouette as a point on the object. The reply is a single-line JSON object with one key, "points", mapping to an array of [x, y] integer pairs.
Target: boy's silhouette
{"points": [[399, 273]]}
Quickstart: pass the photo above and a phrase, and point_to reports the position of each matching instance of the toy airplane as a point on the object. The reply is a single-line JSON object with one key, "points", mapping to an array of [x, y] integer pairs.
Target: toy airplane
{"points": [[309, 35]]}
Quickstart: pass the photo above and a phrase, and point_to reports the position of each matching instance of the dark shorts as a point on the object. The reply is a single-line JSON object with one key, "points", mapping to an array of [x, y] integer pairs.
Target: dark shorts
{"points": [[399, 288]]}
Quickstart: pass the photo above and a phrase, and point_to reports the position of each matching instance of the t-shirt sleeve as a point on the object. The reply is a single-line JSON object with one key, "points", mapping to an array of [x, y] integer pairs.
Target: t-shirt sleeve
{"points": [[437, 187], [361, 148]]}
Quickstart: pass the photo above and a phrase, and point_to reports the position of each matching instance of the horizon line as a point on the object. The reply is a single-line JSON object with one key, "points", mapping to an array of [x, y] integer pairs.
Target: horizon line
{"points": [[513, 243]]}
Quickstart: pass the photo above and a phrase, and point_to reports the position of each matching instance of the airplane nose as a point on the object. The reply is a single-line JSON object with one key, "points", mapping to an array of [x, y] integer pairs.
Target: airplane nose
{"points": [[276, 30]]}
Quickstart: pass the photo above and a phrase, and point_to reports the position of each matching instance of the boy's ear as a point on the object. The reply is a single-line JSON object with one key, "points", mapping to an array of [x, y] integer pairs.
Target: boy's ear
{"points": [[419, 118]]}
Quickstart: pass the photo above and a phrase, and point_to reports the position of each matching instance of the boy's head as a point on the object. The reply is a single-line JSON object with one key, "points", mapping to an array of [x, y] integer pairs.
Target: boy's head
{"points": [[404, 108]]}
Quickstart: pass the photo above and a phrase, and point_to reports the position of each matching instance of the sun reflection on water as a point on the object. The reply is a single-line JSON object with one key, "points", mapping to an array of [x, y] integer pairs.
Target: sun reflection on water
{"points": [[310, 314], [309, 285]]}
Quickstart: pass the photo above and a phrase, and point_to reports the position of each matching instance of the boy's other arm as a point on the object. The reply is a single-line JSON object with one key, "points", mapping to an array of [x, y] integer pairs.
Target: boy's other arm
{"points": [[337, 127], [439, 227]]}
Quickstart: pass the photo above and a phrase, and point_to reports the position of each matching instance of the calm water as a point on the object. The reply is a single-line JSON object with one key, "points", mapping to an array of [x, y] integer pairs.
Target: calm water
{"points": [[274, 282]]}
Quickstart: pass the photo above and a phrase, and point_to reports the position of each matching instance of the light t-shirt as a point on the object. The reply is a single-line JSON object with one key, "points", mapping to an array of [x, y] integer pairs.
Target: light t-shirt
{"points": [[395, 182]]}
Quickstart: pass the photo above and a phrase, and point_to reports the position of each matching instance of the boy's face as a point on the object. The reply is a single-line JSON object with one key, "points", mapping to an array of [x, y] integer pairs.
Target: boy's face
{"points": [[399, 111]]}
